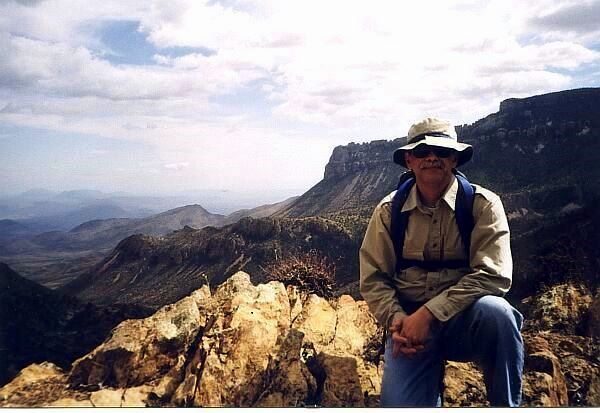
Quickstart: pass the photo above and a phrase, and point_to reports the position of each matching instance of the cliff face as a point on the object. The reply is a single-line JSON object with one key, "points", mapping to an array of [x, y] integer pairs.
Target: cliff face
{"points": [[531, 146], [356, 176]]}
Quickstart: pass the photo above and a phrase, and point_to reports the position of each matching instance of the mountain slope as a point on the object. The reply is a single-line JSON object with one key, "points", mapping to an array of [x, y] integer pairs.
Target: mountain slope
{"points": [[40, 324], [156, 271]]}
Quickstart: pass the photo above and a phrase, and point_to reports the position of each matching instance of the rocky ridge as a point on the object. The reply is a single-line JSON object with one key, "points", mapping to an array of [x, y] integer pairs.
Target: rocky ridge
{"points": [[271, 346], [154, 271]]}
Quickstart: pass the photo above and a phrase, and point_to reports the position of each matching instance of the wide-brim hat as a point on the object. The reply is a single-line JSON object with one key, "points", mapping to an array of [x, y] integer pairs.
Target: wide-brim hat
{"points": [[434, 132]]}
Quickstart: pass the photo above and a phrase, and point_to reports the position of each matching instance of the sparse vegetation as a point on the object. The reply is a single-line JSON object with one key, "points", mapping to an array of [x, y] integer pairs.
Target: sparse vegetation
{"points": [[311, 272]]}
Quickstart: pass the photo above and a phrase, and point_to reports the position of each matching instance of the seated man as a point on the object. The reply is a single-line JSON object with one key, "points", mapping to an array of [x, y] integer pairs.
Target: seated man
{"points": [[438, 295]]}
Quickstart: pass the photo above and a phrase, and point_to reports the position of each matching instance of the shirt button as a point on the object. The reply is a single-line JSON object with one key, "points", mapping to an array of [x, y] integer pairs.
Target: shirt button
{"points": [[435, 245], [435, 221], [430, 288]]}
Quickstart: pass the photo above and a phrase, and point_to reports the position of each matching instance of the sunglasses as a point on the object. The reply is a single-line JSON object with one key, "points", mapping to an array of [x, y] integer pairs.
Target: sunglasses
{"points": [[422, 151]]}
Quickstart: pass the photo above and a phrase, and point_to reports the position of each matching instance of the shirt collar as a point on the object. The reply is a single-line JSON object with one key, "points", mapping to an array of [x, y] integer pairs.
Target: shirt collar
{"points": [[449, 197]]}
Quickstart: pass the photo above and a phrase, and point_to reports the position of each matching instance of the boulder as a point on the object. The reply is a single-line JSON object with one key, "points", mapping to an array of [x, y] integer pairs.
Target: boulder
{"points": [[138, 351], [463, 386]]}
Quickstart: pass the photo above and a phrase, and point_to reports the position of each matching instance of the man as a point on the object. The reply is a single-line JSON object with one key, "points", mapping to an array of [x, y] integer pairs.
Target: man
{"points": [[435, 310]]}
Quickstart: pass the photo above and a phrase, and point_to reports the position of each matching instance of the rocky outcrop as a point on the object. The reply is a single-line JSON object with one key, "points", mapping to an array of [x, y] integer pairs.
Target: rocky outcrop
{"points": [[562, 307], [272, 346], [244, 345]]}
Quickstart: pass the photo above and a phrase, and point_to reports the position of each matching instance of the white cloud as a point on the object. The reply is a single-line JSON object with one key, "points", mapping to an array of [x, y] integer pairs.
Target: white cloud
{"points": [[320, 73], [177, 166]]}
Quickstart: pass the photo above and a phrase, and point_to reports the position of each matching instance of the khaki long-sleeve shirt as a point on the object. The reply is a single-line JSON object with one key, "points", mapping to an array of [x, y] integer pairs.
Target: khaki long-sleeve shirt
{"points": [[432, 234]]}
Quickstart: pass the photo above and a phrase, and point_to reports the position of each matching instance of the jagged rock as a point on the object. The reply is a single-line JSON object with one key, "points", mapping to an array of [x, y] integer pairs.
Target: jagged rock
{"points": [[272, 346], [71, 403], [37, 385], [237, 351], [579, 358], [341, 386], [463, 386], [562, 308], [545, 384], [138, 351]]}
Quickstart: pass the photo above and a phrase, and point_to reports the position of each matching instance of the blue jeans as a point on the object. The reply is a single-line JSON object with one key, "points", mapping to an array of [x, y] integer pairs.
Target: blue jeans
{"points": [[487, 332]]}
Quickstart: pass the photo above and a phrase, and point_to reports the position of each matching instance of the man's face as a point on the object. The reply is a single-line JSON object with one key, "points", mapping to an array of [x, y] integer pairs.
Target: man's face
{"points": [[431, 164]]}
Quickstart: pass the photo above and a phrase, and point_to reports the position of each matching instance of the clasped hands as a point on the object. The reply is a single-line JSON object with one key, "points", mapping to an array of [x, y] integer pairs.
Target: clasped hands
{"points": [[410, 333]]}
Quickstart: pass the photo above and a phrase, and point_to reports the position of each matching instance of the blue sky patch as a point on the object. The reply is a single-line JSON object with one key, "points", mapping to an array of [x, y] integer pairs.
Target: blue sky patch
{"points": [[127, 45]]}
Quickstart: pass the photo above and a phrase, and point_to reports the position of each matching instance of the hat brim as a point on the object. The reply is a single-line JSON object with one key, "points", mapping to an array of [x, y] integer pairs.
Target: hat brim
{"points": [[465, 151]]}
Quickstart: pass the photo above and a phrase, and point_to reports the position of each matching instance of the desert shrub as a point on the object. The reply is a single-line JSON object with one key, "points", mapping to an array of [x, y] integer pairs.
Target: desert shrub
{"points": [[312, 272]]}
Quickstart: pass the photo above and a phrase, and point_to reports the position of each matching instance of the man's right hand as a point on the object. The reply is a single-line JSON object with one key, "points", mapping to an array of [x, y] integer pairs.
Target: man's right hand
{"points": [[400, 343]]}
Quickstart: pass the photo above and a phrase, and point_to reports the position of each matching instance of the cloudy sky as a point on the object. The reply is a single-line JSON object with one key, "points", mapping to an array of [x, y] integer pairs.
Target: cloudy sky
{"points": [[252, 95]]}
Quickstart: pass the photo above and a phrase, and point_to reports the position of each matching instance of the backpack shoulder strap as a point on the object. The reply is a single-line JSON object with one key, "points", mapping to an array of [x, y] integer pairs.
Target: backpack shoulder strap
{"points": [[399, 220], [464, 210]]}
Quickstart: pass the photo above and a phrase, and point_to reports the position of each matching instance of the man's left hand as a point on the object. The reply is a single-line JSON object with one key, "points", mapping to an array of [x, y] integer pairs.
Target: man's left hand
{"points": [[415, 327]]}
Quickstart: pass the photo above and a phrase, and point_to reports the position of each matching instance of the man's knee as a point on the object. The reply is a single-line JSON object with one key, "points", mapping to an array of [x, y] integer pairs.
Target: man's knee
{"points": [[495, 311]]}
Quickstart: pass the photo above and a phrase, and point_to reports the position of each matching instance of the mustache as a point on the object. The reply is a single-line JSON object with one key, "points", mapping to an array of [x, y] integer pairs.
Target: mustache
{"points": [[432, 165]]}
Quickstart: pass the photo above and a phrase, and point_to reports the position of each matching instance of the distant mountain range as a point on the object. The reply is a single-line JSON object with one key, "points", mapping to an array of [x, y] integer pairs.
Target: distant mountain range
{"points": [[62, 211], [55, 257]]}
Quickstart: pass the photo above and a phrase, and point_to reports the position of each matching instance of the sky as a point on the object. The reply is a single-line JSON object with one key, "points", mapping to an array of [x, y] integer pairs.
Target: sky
{"points": [[162, 97]]}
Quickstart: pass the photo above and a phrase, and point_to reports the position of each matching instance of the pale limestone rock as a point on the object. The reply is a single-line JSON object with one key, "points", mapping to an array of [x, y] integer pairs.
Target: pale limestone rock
{"points": [[594, 318], [136, 396], [66, 402], [317, 321], [137, 351], [35, 385], [167, 385], [31, 374], [579, 362], [107, 398], [545, 384], [355, 328], [295, 297], [341, 387], [237, 355], [287, 381]]}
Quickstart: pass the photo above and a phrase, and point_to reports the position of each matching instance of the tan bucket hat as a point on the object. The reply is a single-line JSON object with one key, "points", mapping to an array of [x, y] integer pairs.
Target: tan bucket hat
{"points": [[434, 132]]}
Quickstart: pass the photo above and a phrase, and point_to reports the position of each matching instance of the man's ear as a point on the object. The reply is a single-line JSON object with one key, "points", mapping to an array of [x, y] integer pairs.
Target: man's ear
{"points": [[454, 160], [407, 159]]}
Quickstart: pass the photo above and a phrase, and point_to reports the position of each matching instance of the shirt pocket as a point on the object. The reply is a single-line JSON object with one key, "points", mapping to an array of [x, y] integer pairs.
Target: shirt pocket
{"points": [[454, 248]]}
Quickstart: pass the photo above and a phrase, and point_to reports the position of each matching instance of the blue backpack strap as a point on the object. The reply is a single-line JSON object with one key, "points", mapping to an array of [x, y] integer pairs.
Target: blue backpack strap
{"points": [[400, 219], [464, 211]]}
